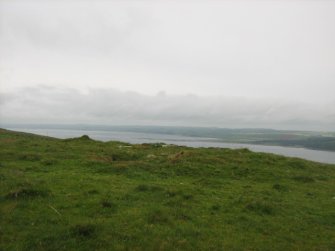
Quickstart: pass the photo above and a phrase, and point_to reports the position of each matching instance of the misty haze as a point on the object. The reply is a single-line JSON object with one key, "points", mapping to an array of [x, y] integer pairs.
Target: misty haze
{"points": [[167, 125]]}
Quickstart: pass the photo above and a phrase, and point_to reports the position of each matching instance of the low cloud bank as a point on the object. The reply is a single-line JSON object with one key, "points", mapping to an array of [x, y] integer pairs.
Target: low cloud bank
{"points": [[42, 104]]}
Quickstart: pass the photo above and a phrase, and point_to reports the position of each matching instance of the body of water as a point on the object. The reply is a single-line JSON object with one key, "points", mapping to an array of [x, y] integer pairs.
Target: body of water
{"points": [[138, 138]]}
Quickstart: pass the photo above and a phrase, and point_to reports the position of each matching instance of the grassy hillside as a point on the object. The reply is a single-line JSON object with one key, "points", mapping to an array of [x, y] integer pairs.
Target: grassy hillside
{"points": [[80, 194]]}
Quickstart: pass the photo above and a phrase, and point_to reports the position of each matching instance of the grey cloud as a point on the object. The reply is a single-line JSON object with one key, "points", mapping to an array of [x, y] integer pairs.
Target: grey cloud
{"points": [[96, 29], [249, 48], [43, 104], [248, 63]]}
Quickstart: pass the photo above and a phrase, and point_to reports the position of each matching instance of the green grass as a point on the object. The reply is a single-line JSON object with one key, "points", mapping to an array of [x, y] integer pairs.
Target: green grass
{"points": [[81, 194]]}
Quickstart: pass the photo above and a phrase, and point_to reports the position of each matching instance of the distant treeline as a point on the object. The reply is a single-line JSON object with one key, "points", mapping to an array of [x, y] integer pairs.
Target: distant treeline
{"points": [[318, 143]]}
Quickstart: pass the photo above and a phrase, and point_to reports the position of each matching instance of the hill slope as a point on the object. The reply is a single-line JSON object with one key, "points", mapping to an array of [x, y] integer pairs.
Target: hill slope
{"points": [[80, 194]]}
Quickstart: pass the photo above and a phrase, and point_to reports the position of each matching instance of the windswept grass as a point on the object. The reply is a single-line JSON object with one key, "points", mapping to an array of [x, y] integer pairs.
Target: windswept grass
{"points": [[81, 194]]}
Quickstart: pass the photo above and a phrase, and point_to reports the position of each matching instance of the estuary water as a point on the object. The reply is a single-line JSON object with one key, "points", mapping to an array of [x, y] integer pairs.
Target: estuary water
{"points": [[138, 138]]}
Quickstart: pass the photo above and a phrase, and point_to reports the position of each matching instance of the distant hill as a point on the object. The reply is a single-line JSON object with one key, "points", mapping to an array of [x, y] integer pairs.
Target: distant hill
{"points": [[306, 139]]}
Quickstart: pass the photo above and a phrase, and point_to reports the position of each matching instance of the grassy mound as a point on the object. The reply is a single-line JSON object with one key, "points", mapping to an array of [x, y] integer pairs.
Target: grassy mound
{"points": [[81, 194]]}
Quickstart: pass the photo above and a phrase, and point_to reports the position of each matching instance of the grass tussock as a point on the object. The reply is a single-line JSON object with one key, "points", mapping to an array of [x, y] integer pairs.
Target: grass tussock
{"points": [[49, 162], [108, 204], [304, 179], [280, 187], [159, 216], [83, 230], [261, 207], [27, 193], [29, 157], [148, 188]]}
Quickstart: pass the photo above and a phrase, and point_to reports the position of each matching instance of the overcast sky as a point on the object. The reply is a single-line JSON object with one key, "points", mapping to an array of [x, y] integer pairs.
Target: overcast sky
{"points": [[217, 63]]}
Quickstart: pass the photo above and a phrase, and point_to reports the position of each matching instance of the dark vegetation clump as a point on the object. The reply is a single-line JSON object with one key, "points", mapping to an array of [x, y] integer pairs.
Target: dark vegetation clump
{"points": [[116, 155], [188, 196], [173, 193], [297, 164], [279, 187], [260, 207], [27, 193], [142, 188], [183, 216], [152, 145], [109, 204], [158, 216], [85, 137], [48, 162], [123, 156], [244, 150], [93, 191], [215, 207], [148, 188], [304, 179], [83, 230], [29, 157], [240, 172]]}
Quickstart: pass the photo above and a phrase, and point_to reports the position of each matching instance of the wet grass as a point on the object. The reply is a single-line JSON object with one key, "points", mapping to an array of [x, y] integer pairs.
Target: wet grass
{"points": [[81, 194]]}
